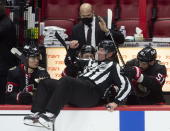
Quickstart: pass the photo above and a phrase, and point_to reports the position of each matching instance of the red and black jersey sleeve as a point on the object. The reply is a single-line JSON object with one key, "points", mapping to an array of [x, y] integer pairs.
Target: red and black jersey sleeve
{"points": [[156, 81], [12, 87]]}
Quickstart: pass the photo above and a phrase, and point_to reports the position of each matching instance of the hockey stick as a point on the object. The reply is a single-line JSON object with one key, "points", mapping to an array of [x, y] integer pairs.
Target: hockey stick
{"points": [[61, 41], [19, 55], [64, 44], [24, 60], [109, 19], [117, 49]]}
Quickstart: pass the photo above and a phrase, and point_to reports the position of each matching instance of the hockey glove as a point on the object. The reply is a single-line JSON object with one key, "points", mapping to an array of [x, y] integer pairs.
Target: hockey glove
{"points": [[133, 73], [41, 76], [139, 89], [110, 93], [24, 98], [29, 88]]}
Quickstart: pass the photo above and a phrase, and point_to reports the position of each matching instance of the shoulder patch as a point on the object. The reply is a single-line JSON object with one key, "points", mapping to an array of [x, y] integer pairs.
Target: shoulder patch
{"points": [[41, 68], [13, 68]]}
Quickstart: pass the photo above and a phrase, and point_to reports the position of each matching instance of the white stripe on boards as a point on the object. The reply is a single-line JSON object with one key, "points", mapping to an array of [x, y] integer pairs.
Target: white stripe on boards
{"points": [[157, 120]]}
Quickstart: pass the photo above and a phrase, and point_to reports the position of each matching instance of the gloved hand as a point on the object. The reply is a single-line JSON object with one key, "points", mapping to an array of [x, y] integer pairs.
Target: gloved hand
{"points": [[110, 93], [24, 98], [41, 76], [136, 72], [133, 73], [71, 56], [142, 91], [111, 106], [29, 88], [139, 89]]}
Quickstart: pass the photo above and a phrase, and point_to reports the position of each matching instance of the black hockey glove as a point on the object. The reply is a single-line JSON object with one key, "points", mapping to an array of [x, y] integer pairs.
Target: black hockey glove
{"points": [[110, 93], [71, 57], [133, 73], [41, 76], [24, 98], [141, 90]]}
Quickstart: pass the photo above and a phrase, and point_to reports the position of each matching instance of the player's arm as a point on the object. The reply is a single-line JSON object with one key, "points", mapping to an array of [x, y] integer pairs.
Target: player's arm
{"points": [[15, 93], [41, 75], [122, 83], [117, 35], [156, 82], [12, 88]]}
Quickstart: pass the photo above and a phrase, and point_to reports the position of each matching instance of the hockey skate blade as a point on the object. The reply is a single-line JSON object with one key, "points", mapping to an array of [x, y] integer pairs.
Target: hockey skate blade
{"points": [[31, 123], [46, 124]]}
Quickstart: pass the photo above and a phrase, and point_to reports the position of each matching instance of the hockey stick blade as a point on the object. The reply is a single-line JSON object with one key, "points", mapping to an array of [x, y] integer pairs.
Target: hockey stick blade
{"points": [[19, 55]]}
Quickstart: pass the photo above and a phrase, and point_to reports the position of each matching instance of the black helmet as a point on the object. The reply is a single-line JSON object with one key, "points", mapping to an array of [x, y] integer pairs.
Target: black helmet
{"points": [[107, 45], [147, 54], [31, 50], [87, 49]]}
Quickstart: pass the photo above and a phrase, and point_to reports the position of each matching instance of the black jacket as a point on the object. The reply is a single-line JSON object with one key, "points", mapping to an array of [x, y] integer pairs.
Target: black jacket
{"points": [[7, 41], [78, 33]]}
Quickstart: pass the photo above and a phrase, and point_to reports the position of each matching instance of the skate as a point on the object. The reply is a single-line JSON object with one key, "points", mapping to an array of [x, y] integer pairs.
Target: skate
{"points": [[47, 120], [32, 120]]}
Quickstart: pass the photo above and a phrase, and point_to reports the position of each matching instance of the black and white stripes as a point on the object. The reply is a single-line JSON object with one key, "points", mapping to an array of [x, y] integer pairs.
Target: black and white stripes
{"points": [[106, 73]]}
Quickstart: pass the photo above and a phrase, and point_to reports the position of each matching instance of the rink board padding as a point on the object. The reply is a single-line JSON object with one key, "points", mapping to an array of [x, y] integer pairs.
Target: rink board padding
{"points": [[124, 118], [121, 108]]}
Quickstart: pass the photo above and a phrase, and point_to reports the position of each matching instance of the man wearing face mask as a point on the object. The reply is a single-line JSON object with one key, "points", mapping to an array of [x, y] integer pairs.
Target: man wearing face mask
{"points": [[92, 29]]}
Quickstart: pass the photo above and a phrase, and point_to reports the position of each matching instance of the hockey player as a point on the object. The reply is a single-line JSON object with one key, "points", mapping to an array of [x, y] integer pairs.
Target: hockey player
{"points": [[148, 77], [73, 64], [21, 83], [87, 52], [85, 91]]}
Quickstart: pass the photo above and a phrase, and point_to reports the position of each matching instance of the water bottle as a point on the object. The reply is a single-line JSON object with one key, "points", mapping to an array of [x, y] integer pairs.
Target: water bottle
{"points": [[123, 30]]}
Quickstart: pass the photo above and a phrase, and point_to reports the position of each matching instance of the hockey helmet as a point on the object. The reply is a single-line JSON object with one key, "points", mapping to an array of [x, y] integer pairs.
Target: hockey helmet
{"points": [[31, 50], [107, 45], [147, 54], [87, 49]]}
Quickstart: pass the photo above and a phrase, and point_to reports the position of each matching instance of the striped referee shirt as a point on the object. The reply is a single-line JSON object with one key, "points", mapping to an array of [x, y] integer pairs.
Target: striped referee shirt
{"points": [[106, 73]]}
